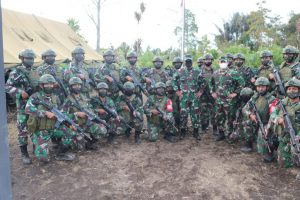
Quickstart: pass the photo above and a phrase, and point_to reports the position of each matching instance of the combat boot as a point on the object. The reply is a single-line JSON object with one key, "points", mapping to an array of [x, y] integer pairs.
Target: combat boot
{"points": [[137, 138], [221, 136], [127, 133], [91, 145], [111, 138], [25, 156], [62, 153], [268, 157], [182, 133], [215, 130], [168, 136], [247, 148], [196, 134]]}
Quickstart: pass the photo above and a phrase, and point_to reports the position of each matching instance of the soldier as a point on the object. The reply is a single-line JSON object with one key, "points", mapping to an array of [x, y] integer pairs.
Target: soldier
{"points": [[246, 72], [158, 110], [171, 94], [109, 73], [262, 100], [49, 67], [290, 66], [200, 62], [129, 107], [207, 102], [106, 109], [229, 58], [156, 74], [226, 84], [266, 68], [22, 82], [189, 94], [74, 105], [78, 69], [133, 74], [177, 63], [42, 122], [287, 154]]}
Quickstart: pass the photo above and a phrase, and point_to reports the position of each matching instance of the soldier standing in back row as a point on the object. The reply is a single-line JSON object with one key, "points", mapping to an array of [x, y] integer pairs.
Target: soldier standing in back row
{"points": [[189, 94], [77, 69], [156, 74], [22, 83], [109, 73], [49, 67], [131, 73]]}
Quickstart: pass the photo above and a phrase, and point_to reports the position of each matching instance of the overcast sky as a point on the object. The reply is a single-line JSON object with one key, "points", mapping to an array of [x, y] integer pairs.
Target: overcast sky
{"points": [[158, 23]]}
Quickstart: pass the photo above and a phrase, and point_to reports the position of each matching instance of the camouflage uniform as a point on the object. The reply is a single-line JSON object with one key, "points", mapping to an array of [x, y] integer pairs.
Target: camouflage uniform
{"points": [[286, 152], [43, 128], [109, 69], [78, 69], [23, 79], [190, 84], [226, 82], [266, 68], [49, 67], [95, 130], [109, 103], [200, 62], [207, 104], [246, 72], [156, 74], [134, 70], [175, 102], [262, 102], [157, 123], [133, 118]]}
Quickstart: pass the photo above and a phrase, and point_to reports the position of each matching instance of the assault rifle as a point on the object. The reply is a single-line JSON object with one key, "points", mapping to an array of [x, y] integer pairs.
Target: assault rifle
{"points": [[28, 89], [260, 123], [59, 81], [137, 82], [111, 113], [279, 82], [62, 118], [132, 110], [163, 114], [289, 127]]}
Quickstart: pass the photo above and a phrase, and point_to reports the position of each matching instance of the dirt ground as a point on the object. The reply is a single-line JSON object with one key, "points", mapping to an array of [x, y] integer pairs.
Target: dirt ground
{"points": [[186, 170]]}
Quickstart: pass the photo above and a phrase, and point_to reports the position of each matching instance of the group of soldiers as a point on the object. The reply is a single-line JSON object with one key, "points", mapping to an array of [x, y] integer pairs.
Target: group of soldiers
{"points": [[74, 108]]}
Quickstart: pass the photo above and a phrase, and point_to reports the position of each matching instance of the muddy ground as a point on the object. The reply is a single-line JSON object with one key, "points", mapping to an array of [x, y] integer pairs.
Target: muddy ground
{"points": [[186, 170]]}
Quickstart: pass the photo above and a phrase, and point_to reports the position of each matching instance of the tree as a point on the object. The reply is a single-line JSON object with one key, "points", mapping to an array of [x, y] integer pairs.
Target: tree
{"points": [[94, 15], [190, 31], [138, 16], [292, 30], [74, 25]]}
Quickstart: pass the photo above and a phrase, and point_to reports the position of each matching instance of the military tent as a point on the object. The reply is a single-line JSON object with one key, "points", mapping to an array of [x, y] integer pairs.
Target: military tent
{"points": [[22, 31]]}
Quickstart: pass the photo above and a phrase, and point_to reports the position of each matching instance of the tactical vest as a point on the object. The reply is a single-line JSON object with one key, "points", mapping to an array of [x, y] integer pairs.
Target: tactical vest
{"points": [[38, 124], [262, 105], [264, 71], [32, 77], [294, 113], [82, 101], [161, 103]]}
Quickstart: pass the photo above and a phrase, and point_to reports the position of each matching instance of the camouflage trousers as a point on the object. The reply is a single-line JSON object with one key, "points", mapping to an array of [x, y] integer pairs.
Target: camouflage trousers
{"points": [[225, 115], [208, 114], [135, 122], [22, 128], [157, 125], [286, 153], [190, 106], [96, 131], [248, 130], [41, 140]]}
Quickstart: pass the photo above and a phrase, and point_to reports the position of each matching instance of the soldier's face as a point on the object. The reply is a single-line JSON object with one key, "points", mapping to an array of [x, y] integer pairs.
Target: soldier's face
{"points": [[239, 62], [288, 57], [261, 89], [50, 60], [109, 59], [188, 64], [28, 62], [132, 60], [208, 62], [102, 92], [157, 64], [48, 88], [160, 91], [79, 57], [177, 65], [229, 60], [292, 92], [76, 88], [265, 60]]}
